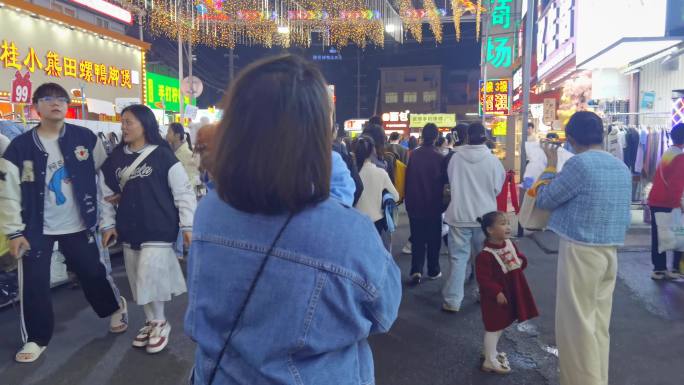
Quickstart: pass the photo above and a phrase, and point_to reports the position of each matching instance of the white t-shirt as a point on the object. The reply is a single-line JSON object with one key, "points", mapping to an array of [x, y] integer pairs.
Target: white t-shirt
{"points": [[4, 143], [62, 214]]}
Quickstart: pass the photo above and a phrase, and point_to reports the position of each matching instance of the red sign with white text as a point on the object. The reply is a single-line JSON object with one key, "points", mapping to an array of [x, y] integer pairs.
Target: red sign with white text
{"points": [[21, 88]]}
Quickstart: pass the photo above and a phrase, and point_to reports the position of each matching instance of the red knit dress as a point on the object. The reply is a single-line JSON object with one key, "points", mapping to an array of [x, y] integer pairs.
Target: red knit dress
{"points": [[499, 269]]}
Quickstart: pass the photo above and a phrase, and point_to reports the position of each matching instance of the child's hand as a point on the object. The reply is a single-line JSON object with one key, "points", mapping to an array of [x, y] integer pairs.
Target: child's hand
{"points": [[501, 299]]}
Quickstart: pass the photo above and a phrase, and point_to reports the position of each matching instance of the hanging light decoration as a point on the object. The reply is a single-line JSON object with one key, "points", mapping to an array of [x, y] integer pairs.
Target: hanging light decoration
{"points": [[227, 23], [478, 20], [434, 19], [412, 19], [458, 12]]}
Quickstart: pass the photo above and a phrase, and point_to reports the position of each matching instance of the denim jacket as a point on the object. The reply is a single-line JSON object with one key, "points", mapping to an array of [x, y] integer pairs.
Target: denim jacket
{"points": [[327, 286]]}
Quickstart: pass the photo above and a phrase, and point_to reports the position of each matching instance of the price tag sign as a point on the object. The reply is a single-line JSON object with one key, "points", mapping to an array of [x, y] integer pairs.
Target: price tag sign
{"points": [[21, 88]]}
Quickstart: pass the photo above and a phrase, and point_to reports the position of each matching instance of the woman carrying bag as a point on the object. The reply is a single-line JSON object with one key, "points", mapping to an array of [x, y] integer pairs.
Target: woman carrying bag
{"points": [[154, 200]]}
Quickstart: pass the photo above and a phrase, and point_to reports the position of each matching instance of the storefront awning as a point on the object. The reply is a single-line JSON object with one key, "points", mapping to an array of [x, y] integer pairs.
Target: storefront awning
{"points": [[628, 50]]}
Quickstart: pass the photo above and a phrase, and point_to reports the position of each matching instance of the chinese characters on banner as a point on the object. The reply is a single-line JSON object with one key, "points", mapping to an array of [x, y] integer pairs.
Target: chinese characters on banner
{"points": [[57, 66], [499, 45], [163, 92], [21, 88], [497, 100]]}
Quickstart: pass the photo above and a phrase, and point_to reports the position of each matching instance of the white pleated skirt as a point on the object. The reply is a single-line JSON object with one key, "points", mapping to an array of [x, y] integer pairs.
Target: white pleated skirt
{"points": [[154, 272]]}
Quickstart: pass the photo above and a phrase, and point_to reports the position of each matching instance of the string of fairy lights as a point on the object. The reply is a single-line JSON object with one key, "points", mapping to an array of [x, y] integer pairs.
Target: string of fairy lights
{"points": [[268, 23]]}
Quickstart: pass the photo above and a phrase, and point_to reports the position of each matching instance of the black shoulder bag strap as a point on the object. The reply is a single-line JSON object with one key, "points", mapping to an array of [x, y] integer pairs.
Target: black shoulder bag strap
{"points": [[249, 295]]}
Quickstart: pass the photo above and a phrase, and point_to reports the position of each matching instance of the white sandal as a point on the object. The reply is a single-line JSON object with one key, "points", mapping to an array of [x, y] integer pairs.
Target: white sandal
{"points": [[119, 321], [29, 353]]}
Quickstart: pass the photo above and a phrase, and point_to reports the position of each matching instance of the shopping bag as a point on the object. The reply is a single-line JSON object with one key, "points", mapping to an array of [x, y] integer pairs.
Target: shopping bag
{"points": [[531, 217], [670, 231], [400, 179]]}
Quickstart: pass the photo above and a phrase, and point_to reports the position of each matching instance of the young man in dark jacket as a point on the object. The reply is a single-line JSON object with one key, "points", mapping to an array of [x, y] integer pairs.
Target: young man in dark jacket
{"points": [[424, 188], [48, 194]]}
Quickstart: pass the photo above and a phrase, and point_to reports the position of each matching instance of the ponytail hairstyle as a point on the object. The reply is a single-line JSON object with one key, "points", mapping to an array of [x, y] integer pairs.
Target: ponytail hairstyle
{"points": [[179, 130], [488, 220], [364, 149]]}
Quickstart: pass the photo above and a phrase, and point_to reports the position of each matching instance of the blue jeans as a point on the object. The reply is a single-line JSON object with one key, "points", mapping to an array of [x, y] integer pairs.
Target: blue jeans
{"points": [[463, 241]]}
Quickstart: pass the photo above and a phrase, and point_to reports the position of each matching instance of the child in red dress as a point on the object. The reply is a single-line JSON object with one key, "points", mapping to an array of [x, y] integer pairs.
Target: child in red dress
{"points": [[505, 295]]}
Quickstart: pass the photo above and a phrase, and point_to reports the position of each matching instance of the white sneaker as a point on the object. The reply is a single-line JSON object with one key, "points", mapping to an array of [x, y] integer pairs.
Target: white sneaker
{"points": [[143, 336], [495, 367], [159, 337], [407, 248]]}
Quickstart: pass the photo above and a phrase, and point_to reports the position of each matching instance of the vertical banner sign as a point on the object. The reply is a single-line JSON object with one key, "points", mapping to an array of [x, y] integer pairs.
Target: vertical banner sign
{"points": [[498, 97], [549, 111], [500, 43], [21, 88]]}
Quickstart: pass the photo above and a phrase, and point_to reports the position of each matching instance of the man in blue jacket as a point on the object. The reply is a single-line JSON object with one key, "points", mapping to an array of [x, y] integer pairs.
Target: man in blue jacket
{"points": [[48, 194]]}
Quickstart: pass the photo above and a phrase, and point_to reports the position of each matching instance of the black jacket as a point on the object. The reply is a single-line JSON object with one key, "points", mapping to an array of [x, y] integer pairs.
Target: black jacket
{"points": [[353, 170]]}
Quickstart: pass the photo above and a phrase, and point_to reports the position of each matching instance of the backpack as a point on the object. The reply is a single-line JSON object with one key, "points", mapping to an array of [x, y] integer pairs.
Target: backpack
{"points": [[397, 172]]}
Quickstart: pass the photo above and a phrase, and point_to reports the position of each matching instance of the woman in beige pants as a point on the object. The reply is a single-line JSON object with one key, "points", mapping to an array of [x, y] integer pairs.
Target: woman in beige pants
{"points": [[590, 204]]}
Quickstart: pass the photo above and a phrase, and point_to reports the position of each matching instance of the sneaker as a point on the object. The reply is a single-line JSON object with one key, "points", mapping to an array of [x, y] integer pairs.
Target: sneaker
{"points": [[407, 248], [495, 367], [143, 336], [416, 278], [658, 275], [449, 309], [159, 337], [433, 277], [501, 357]]}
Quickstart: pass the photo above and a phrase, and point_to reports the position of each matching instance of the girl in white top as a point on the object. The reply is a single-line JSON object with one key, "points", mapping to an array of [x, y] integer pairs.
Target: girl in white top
{"points": [[375, 182]]}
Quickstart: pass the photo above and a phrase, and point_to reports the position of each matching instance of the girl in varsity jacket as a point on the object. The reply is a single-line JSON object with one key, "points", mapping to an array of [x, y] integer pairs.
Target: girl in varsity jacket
{"points": [[155, 199]]}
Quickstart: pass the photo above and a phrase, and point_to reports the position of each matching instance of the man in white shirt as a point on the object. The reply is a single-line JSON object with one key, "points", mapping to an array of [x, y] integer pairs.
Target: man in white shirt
{"points": [[49, 194], [476, 177]]}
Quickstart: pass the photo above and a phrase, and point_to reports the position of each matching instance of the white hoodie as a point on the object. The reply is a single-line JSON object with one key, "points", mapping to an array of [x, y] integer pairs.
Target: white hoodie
{"points": [[476, 177]]}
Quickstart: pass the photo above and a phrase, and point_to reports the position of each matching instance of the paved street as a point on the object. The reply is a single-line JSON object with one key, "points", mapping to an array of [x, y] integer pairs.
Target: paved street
{"points": [[426, 346]]}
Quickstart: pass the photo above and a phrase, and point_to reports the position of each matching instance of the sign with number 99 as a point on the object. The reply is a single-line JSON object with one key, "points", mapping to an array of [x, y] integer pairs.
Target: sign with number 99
{"points": [[21, 88]]}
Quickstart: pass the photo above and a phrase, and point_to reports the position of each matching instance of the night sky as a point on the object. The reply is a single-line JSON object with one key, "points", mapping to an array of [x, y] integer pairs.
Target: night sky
{"points": [[212, 64]]}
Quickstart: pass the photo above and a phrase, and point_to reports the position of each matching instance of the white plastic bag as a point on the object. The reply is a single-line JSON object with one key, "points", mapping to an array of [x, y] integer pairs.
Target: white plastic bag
{"points": [[670, 231]]}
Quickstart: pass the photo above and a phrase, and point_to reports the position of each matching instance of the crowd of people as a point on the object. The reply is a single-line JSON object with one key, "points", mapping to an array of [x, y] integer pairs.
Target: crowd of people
{"points": [[289, 259]]}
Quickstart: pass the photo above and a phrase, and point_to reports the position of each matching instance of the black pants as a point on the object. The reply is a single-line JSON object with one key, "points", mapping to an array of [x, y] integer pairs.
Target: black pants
{"points": [[660, 259], [426, 235], [83, 258]]}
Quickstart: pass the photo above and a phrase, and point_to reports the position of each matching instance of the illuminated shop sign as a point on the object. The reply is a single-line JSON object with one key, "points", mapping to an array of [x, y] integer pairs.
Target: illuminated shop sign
{"points": [[495, 97], [108, 9], [555, 35]]}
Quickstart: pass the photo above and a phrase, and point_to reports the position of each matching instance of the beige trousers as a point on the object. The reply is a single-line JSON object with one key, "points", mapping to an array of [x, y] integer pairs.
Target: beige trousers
{"points": [[584, 301]]}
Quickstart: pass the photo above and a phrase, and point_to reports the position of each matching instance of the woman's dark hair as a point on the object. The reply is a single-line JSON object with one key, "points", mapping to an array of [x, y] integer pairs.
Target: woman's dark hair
{"points": [[440, 141], [677, 134], [283, 101], [378, 134], [50, 89], [449, 138], [477, 134], [460, 133], [394, 136], [413, 143], [149, 123], [430, 134], [585, 128], [363, 150], [179, 130], [488, 220]]}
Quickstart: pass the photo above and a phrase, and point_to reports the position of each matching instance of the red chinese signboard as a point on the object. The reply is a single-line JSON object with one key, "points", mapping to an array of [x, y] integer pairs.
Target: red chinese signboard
{"points": [[21, 88], [495, 97]]}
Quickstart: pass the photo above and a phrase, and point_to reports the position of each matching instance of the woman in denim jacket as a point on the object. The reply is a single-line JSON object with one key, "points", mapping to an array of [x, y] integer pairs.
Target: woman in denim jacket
{"points": [[278, 295]]}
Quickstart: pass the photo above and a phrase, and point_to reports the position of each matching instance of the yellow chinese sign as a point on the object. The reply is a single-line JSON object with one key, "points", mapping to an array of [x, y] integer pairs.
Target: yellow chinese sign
{"points": [[55, 65], [495, 97], [441, 120]]}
